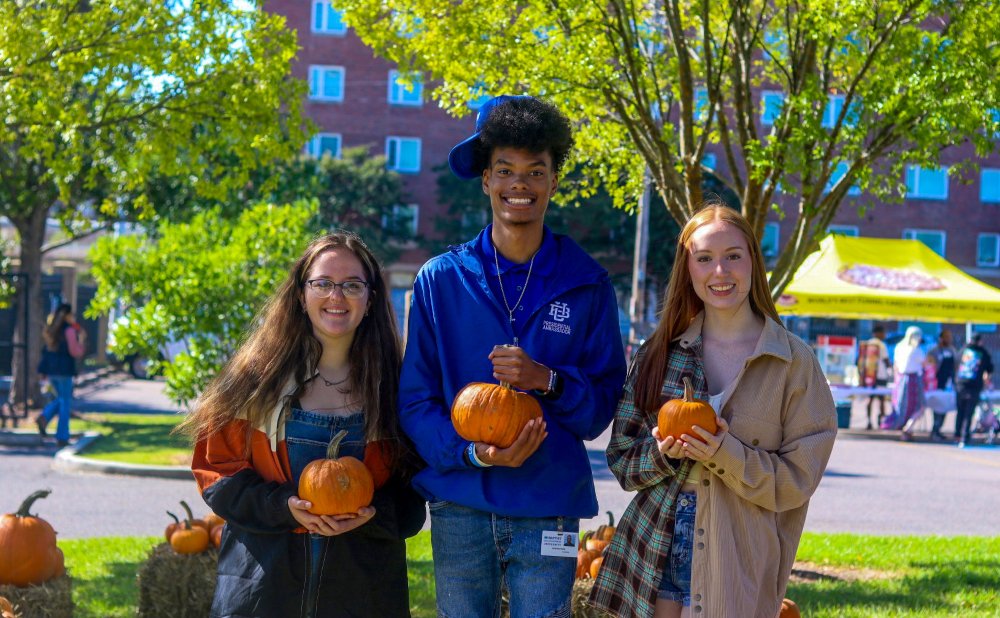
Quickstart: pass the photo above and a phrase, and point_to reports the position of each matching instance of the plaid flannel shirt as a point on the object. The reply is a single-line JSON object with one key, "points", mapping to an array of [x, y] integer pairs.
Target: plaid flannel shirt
{"points": [[634, 562]]}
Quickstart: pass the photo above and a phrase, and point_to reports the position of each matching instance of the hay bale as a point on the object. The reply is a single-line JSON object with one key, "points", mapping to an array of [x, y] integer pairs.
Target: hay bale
{"points": [[53, 599], [581, 592], [173, 585]]}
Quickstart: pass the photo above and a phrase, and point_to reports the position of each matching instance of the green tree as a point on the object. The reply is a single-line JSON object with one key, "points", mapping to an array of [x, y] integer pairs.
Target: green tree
{"points": [[202, 299], [354, 192], [97, 94], [866, 88]]}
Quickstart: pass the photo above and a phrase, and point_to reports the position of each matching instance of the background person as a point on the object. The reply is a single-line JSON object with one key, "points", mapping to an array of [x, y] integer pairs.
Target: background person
{"points": [[64, 344], [975, 366], [322, 357], [942, 359], [716, 520], [519, 285], [908, 390], [875, 369]]}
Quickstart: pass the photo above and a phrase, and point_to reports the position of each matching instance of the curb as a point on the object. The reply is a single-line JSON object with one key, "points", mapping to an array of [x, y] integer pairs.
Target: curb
{"points": [[67, 460]]}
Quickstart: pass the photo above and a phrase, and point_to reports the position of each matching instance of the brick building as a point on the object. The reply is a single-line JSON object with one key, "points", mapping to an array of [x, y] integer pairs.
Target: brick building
{"points": [[355, 100]]}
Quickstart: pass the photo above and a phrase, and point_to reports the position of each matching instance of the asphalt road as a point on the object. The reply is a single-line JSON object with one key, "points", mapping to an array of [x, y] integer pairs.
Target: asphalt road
{"points": [[873, 485]]}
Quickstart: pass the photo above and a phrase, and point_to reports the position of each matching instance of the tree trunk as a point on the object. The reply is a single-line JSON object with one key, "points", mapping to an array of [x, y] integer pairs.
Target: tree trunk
{"points": [[27, 337]]}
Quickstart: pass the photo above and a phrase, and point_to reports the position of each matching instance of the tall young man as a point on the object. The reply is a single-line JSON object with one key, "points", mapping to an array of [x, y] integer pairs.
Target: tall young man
{"points": [[528, 307]]}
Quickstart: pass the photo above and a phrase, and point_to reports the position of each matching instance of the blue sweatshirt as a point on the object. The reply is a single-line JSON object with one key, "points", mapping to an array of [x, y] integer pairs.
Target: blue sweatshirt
{"points": [[571, 327]]}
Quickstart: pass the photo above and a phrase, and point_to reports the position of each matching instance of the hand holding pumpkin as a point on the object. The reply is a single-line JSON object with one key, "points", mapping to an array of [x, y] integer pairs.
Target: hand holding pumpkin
{"points": [[524, 446], [327, 525], [703, 446], [512, 365]]}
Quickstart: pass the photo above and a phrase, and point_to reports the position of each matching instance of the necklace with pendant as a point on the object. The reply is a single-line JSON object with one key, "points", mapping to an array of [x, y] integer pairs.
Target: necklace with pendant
{"points": [[330, 383], [524, 288]]}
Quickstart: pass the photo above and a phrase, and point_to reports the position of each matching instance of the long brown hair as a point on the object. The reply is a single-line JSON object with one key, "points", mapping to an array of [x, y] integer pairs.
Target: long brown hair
{"points": [[681, 304], [281, 346], [54, 332]]}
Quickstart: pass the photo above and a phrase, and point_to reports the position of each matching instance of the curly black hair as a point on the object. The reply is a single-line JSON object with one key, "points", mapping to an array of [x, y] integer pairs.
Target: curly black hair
{"points": [[525, 123]]}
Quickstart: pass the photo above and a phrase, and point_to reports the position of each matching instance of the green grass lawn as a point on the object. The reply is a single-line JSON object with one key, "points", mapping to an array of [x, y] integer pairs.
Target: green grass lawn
{"points": [[858, 576], [135, 438]]}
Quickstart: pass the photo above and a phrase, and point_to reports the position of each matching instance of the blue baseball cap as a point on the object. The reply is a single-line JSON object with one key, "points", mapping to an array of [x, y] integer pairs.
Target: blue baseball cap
{"points": [[461, 159]]}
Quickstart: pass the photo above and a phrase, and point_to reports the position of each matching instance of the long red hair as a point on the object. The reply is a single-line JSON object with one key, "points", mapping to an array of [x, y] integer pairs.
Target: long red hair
{"points": [[681, 304]]}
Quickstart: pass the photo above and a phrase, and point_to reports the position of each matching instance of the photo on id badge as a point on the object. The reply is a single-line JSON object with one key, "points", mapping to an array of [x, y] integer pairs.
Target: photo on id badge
{"points": [[558, 543]]}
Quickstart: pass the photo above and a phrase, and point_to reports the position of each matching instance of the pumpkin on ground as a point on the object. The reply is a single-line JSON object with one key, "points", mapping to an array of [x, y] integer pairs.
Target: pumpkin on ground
{"points": [[585, 556], [789, 609], [189, 539], [595, 566], [605, 532], [172, 528], [678, 416], [28, 552], [336, 486], [492, 413]]}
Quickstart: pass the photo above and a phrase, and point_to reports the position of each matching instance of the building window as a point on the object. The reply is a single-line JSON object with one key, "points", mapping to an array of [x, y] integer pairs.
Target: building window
{"points": [[935, 239], [326, 19], [926, 183], [402, 93], [770, 103], [402, 154], [404, 217], [842, 230], [708, 161], [326, 83], [324, 144], [769, 241], [701, 104], [832, 110], [988, 250], [839, 171], [989, 185]]}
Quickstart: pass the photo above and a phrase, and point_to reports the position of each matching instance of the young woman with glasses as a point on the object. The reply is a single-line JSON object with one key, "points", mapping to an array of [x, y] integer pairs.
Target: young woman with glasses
{"points": [[323, 356]]}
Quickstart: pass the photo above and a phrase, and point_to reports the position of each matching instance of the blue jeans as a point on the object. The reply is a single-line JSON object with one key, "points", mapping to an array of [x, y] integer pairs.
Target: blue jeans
{"points": [[675, 584], [475, 551], [61, 405]]}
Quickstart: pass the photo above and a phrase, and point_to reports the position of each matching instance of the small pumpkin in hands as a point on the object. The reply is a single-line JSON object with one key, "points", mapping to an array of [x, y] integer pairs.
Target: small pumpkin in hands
{"points": [[678, 416], [492, 413], [28, 552], [336, 486], [789, 609]]}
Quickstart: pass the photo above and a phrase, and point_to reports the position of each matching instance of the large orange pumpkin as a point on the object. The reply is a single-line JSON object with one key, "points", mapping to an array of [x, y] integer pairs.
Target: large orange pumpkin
{"points": [[28, 552], [492, 413], [789, 609], [678, 416], [336, 486]]}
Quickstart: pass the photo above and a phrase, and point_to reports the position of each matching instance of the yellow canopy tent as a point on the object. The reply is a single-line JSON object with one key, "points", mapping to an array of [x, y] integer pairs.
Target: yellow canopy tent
{"points": [[886, 279]]}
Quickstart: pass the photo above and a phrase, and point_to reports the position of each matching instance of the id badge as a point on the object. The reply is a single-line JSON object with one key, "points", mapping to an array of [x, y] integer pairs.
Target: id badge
{"points": [[560, 543]]}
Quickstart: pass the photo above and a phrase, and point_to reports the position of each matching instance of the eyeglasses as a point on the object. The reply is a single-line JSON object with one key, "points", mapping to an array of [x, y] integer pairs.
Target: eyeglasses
{"points": [[324, 288]]}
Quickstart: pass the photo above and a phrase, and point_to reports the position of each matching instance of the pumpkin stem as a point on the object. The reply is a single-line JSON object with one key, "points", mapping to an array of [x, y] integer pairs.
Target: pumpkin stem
{"points": [[688, 390], [187, 509], [176, 519], [26, 505], [585, 537], [331, 451], [611, 519]]}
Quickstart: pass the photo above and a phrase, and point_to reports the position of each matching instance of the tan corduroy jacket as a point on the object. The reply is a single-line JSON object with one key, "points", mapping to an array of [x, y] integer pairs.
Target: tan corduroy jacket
{"points": [[752, 494]]}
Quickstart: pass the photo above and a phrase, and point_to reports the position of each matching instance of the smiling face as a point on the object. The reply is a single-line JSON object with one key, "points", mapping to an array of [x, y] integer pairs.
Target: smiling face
{"points": [[519, 184], [337, 316], [720, 267]]}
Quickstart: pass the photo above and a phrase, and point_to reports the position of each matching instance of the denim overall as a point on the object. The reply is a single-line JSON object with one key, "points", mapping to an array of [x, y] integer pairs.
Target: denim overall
{"points": [[307, 436]]}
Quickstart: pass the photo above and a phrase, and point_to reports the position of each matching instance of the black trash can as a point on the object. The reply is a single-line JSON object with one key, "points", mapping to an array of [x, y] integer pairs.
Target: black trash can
{"points": [[843, 414]]}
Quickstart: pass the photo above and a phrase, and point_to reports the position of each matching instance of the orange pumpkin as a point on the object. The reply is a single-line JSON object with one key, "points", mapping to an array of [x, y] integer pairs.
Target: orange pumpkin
{"points": [[595, 566], [216, 535], [172, 528], [28, 552], [596, 544], [678, 416], [605, 532], [213, 520], [336, 486], [492, 413], [189, 539], [200, 523], [585, 556], [789, 609]]}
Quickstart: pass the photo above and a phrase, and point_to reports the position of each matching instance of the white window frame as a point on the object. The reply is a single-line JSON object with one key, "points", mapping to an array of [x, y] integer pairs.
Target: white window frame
{"points": [[777, 240], [989, 176], [324, 27], [317, 77], [842, 230], [996, 250], [397, 142], [765, 118], [398, 93], [916, 192], [915, 233], [313, 145]]}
